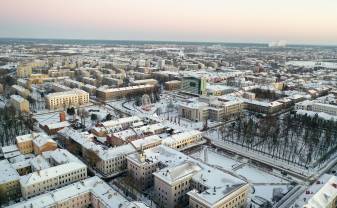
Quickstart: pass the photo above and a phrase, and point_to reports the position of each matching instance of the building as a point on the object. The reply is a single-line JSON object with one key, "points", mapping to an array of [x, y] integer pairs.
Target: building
{"points": [[108, 161], [53, 128], [43, 143], [193, 110], [44, 180], [9, 183], [194, 85], [75, 97], [19, 103], [35, 142], [144, 82], [172, 85], [180, 180], [317, 106], [322, 193], [90, 192], [116, 93], [184, 140], [24, 70], [23, 92], [115, 125]]}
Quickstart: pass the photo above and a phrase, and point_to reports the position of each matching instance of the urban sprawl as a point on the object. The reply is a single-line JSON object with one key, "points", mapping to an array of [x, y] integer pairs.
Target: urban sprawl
{"points": [[167, 125]]}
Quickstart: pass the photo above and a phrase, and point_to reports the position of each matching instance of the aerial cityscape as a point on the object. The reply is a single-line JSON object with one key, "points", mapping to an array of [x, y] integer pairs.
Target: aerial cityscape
{"points": [[153, 117]]}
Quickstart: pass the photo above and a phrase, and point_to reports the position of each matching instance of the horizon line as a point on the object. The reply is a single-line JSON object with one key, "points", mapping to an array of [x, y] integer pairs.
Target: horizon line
{"points": [[176, 41]]}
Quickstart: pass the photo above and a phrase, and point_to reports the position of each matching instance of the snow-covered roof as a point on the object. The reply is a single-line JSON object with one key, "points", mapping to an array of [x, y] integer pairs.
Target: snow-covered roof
{"points": [[46, 174], [7, 172], [320, 194], [176, 138], [146, 141], [94, 185]]}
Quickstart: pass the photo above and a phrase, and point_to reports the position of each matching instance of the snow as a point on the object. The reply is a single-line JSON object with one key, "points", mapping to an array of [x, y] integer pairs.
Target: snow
{"points": [[257, 176]]}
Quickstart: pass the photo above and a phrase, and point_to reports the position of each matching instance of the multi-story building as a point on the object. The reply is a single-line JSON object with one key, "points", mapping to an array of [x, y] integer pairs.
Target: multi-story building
{"points": [[115, 93], [23, 92], [193, 110], [322, 193], [194, 85], [24, 70], [115, 125], [44, 180], [317, 106], [184, 140], [172, 85], [19, 103], [9, 183], [35, 142], [108, 161], [181, 180], [75, 97], [90, 192]]}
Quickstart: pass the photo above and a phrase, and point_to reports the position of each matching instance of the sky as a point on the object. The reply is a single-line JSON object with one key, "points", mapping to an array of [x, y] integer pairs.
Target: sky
{"points": [[295, 21]]}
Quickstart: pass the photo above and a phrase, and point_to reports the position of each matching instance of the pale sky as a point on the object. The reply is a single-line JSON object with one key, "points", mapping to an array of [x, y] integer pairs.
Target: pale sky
{"points": [[296, 21]]}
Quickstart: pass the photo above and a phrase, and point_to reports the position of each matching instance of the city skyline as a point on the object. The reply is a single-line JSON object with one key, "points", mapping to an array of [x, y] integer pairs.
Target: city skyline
{"points": [[260, 21]]}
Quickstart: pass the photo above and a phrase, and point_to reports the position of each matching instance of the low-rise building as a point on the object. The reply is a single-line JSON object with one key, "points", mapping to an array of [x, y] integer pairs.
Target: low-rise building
{"points": [[184, 140]]}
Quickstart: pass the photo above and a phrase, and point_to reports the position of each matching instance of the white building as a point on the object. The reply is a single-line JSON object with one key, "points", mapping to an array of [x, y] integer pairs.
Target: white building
{"points": [[75, 97], [90, 192], [48, 179], [321, 194], [180, 180], [184, 140]]}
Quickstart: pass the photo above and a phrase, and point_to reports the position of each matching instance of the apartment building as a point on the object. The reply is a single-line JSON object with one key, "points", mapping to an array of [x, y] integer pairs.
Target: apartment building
{"points": [[115, 93], [44, 180], [58, 100], [23, 92], [19, 103]]}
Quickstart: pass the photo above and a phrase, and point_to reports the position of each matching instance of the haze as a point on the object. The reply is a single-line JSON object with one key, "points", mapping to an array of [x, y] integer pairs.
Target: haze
{"points": [[299, 21]]}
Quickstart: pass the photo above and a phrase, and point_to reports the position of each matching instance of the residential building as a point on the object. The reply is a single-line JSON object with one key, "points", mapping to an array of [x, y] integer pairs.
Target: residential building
{"points": [[115, 93], [44, 180], [58, 100], [90, 192], [19, 103]]}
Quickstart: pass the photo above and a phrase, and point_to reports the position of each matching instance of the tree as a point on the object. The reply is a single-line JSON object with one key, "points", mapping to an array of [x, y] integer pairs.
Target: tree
{"points": [[94, 117], [71, 111], [108, 117]]}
